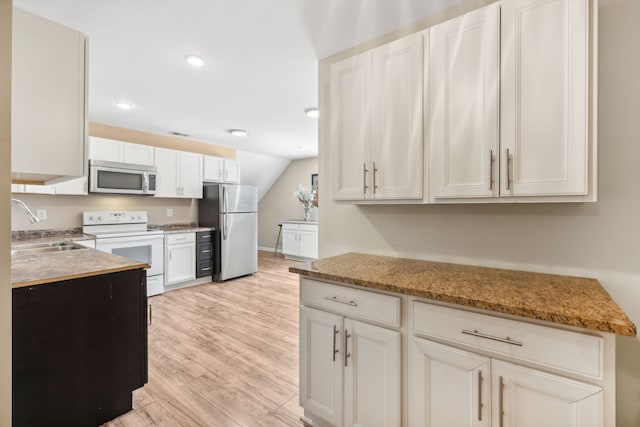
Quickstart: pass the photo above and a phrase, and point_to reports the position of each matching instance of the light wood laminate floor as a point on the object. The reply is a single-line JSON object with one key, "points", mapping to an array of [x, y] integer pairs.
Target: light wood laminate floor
{"points": [[224, 354]]}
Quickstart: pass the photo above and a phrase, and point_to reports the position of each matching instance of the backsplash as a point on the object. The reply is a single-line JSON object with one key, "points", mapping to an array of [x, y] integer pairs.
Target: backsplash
{"points": [[65, 212]]}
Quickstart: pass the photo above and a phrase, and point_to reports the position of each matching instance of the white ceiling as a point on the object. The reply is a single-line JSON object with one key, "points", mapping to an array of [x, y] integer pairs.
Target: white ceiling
{"points": [[261, 61]]}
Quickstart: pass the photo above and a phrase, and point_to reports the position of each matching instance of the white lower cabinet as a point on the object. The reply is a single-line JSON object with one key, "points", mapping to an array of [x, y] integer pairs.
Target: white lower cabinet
{"points": [[448, 387], [350, 370], [526, 397], [180, 258], [299, 241], [364, 363], [453, 387]]}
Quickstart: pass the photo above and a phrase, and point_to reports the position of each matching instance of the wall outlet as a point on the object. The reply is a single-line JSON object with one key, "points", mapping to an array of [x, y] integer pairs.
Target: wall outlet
{"points": [[169, 212], [41, 214]]}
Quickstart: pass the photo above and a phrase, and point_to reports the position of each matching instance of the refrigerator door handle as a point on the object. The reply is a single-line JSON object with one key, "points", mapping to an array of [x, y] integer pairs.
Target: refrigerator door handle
{"points": [[225, 226], [225, 204]]}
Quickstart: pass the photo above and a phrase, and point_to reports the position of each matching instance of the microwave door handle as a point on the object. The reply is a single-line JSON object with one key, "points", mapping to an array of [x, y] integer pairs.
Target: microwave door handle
{"points": [[145, 182]]}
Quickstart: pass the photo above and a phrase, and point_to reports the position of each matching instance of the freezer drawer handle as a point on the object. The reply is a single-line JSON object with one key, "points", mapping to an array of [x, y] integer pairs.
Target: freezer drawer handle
{"points": [[335, 299], [506, 340]]}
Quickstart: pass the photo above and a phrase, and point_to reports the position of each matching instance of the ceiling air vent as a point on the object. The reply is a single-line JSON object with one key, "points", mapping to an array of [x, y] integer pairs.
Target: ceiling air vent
{"points": [[179, 134]]}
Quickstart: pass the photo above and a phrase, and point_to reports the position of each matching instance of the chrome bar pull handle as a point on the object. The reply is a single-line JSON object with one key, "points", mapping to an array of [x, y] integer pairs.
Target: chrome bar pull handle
{"points": [[375, 186], [346, 353], [364, 178], [505, 340], [479, 395], [500, 403], [150, 314], [491, 163], [335, 332], [335, 299], [508, 170]]}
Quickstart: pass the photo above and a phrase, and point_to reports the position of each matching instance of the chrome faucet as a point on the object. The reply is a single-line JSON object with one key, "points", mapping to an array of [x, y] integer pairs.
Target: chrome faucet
{"points": [[32, 218]]}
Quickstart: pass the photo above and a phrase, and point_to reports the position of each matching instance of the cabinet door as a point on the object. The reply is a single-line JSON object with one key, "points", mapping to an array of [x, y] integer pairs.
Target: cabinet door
{"points": [[321, 364], [231, 171], [350, 102], [290, 241], [213, 169], [372, 376], [447, 386], [138, 154], [166, 162], [181, 263], [190, 179], [48, 99], [464, 77], [396, 167], [308, 244], [525, 397], [108, 150], [544, 97]]}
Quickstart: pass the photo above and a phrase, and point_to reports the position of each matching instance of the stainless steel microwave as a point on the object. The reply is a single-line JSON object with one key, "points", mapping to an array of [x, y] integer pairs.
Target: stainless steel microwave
{"points": [[121, 178]]}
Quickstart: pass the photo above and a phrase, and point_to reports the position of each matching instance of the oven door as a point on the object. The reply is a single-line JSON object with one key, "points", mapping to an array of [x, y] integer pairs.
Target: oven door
{"points": [[148, 249]]}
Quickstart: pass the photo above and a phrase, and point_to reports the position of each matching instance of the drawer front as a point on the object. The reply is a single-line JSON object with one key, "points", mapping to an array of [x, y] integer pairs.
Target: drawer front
{"points": [[351, 302], [204, 251], [288, 226], [181, 238], [204, 237], [204, 269], [569, 351]]}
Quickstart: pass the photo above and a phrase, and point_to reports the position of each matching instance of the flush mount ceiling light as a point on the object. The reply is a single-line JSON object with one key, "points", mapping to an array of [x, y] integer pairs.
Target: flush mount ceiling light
{"points": [[301, 148], [312, 112], [123, 105], [194, 60], [238, 132]]}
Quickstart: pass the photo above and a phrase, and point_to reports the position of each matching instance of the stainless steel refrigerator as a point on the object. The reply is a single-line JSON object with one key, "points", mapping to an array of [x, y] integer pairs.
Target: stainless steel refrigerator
{"points": [[232, 210]]}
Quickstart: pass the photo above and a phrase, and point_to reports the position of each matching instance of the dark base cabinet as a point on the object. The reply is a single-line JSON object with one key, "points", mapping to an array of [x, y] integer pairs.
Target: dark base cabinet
{"points": [[79, 349], [204, 254]]}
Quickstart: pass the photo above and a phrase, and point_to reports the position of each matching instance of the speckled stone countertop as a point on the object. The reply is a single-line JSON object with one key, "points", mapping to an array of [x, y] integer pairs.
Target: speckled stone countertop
{"points": [[37, 269], [42, 236], [566, 300], [298, 221], [179, 228]]}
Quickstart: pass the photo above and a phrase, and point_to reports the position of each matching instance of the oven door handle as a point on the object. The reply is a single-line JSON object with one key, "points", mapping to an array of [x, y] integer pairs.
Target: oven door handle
{"points": [[127, 240]]}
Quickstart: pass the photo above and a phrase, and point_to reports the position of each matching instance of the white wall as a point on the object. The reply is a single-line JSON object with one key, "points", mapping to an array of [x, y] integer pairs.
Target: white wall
{"points": [[260, 170], [591, 239], [279, 204], [5, 188]]}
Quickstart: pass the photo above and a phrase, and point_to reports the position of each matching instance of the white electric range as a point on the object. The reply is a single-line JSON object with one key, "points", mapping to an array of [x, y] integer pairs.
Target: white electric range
{"points": [[125, 233]]}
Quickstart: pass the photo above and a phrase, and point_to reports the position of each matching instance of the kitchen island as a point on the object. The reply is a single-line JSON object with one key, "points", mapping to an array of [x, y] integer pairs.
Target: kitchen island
{"points": [[79, 336], [397, 341]]}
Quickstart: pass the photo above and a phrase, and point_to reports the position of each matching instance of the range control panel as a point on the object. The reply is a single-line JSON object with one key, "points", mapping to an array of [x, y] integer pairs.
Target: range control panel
{"points": [[114, 217]]}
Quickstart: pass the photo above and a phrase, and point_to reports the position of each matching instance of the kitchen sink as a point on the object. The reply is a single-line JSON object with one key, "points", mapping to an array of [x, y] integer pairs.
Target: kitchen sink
{"points": [[36, 248]]}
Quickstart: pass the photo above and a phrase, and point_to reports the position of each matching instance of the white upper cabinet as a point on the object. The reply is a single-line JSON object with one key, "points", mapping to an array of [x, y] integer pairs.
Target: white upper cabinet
{"points": [[351, 127], [396, 155], [376, 123], [119, 151], [218, 169], [464, 88], [48, 99], [545, 97], [179, 174], [511, 104]]}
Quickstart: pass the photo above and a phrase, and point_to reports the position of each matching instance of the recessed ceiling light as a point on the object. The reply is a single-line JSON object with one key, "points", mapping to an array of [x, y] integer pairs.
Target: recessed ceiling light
{"points": [[238, 132], [124, 105], [312, 112], [194, 60]]}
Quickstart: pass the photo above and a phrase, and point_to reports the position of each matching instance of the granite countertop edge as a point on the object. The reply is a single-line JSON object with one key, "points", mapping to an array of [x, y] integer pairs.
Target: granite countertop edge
{"points": [[39, 269], [619, 323]]}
